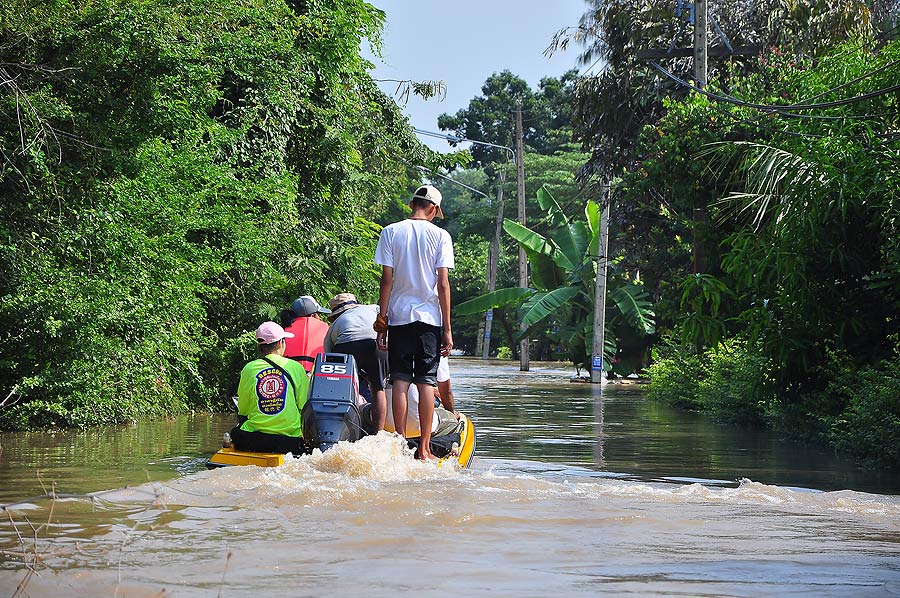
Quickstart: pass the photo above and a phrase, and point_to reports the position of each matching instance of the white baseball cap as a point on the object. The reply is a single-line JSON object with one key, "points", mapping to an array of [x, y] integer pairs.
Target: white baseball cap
{"points": [[431, 194]]}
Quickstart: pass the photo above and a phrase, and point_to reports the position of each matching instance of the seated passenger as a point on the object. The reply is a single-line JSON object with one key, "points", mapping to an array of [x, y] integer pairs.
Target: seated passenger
{"points": [[271, 395], [352, 332], [444, 391], [307, 331]]}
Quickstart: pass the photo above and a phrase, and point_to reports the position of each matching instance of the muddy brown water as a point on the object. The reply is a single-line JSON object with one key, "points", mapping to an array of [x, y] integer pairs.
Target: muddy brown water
{"points": [[574, 491]]}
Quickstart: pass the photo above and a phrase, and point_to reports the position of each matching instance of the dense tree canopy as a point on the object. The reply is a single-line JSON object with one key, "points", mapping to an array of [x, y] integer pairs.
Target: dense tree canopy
{"points": [[761, 211], [547, 115], [171, 175]]}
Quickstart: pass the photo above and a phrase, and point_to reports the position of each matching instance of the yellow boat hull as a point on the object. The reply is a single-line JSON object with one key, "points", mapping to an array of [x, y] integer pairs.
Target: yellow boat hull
{"points": [[227, 457]]}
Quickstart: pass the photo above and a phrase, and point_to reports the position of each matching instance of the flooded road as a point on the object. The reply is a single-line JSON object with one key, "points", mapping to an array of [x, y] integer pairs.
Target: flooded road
{"points": [[572, 493]]}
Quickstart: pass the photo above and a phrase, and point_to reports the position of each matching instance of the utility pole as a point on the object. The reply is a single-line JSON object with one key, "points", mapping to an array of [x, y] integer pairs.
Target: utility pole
{"points": [[484, 346], [600, 293], [524, 346], [700, 42], [479, 344], [700, 78], [493, 258]]}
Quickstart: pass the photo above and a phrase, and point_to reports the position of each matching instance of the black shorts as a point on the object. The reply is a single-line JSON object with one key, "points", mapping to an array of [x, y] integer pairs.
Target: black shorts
{"points": [[371, 362], [414, 351], [261, 442]]}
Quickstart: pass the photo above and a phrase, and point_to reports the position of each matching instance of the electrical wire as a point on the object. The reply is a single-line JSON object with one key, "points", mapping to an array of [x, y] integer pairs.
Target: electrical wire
{"points": [[852, 81], [776, 107], [445, 177]]}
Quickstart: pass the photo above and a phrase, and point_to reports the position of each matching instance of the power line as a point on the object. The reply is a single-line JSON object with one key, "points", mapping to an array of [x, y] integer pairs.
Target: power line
{"points": [[776, 107], [446, 178], [457, 139], [852, 81]]}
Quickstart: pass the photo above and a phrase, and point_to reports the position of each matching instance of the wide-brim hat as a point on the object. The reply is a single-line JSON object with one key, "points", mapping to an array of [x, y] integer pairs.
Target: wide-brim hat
{"points": [[341, 303]]}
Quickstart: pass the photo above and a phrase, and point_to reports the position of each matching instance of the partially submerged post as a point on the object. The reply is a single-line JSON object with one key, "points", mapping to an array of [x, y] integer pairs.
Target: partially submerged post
{"points": [[524, 346], [600, 293]]}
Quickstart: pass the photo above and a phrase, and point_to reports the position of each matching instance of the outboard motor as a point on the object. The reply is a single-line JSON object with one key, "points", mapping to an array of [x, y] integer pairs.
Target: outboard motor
{"points": [[331, 413]]}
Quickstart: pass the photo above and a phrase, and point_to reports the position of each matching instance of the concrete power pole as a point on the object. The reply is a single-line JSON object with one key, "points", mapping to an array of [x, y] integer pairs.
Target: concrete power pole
{"points": [[700, 77], [493, 258], [700, 42], [524, 346], [600, 293]]}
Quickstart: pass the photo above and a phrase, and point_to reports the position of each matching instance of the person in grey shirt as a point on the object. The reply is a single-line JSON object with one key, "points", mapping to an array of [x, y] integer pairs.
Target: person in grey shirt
{"points": [[351, 332]]}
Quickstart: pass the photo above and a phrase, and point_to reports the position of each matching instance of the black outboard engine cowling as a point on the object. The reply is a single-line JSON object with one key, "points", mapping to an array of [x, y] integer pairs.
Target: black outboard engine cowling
{"points": [[331, 413]]}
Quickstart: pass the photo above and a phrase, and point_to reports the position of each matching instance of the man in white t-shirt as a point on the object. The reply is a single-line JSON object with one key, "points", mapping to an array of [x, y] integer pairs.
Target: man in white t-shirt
{"points": [[413, 323]]}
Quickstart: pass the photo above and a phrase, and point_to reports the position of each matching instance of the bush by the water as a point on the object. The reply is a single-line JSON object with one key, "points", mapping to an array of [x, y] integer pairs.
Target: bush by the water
{"points": [[733, 382], [868, 424], [674, 375], [857, 412]]}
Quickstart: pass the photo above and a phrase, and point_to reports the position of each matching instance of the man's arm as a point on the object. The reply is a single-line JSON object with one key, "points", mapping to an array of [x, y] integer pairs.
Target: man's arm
{"points": [[445, 392], [384, 295], [242, 403], [443, 289]]}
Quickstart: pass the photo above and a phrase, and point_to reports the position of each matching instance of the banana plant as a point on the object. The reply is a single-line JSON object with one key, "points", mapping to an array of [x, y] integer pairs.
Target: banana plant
{"points": [[561, 300]]}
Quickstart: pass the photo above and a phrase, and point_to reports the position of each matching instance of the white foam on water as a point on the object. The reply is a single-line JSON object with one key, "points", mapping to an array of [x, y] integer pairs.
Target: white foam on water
{"points": [[748, 492], [349, 471]]}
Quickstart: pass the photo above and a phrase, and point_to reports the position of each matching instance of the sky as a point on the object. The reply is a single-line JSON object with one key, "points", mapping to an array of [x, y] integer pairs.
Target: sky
{"points": [[463, 42]]}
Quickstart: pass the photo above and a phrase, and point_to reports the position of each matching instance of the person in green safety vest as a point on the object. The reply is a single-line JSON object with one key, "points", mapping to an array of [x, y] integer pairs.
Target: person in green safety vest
{"points": [[271, 395]]}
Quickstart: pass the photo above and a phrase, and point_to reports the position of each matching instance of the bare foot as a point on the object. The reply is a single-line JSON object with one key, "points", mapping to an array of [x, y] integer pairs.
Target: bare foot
{"points": [[425, 455]]}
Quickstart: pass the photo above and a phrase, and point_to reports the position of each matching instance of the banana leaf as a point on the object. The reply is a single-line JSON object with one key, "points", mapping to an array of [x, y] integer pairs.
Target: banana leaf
{"points": [[527, 238], [542, 305], [545, 273], [592, 212], [634, 306], [549, 204], [538, 244], [570, 239], [498, 298]]}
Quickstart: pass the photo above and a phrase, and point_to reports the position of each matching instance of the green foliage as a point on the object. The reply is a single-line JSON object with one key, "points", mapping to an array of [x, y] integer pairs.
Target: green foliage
{"points": [[701, 298], [172, 175], [674, 375], [561, 302], [737, 384], [859, 411], [734, 382]]}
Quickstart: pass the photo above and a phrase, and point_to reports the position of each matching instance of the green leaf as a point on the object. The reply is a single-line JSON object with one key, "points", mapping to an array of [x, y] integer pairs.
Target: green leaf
{"points": [[569, 238], [545, 273], [549, 204], [635, 307], [527, 238], [592, 212], [498, 298], [546, 304]]}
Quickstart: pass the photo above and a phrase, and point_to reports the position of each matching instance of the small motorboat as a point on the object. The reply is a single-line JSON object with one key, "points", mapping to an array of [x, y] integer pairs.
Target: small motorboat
{"points": [[333, 414]]}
